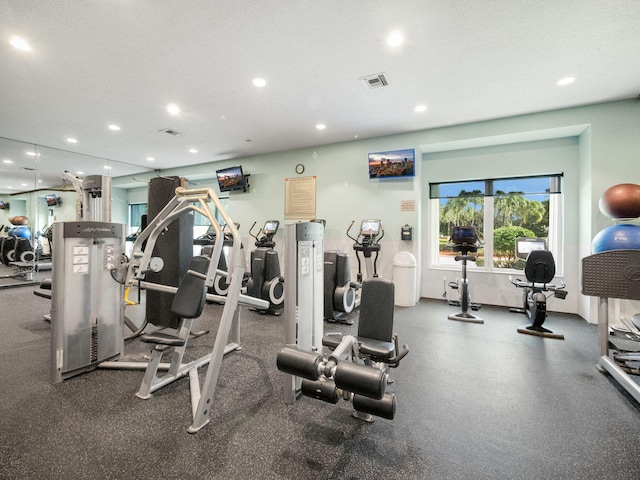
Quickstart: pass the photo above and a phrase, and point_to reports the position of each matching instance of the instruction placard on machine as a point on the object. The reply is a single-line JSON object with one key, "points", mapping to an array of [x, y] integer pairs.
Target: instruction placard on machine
{"points": [[80, 260], [305, 260]]}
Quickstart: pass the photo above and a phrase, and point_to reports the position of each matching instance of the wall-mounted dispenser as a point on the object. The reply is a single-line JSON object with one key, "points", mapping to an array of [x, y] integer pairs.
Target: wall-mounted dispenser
{"points": [[406, 232]]}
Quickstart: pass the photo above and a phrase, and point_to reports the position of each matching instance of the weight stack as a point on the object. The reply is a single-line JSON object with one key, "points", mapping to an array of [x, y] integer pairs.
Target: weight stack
{"points": [[174, 247]]}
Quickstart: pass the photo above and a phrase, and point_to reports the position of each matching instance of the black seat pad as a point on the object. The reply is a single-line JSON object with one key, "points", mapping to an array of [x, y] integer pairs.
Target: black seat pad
{"points": [[190, 297], [378, 350], [162, 338]]}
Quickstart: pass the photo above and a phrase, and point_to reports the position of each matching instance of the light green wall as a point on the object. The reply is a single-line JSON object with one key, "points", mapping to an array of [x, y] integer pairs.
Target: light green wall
{"points": [[608, 145], [551, 156]]}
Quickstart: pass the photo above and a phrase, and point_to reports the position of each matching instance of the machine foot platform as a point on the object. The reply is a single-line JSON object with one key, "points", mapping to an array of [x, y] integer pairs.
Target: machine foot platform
{"points": [[465, 317], [540, 332]]}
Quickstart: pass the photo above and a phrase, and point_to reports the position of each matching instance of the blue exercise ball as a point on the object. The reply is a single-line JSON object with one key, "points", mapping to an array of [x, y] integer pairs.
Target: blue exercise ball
{"points": [[22, 232], [617, 237]]}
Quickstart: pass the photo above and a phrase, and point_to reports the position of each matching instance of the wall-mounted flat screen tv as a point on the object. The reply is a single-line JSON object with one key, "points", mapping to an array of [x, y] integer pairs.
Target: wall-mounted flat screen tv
{"points": [[395, 163], [231, 178], [51, 200]]}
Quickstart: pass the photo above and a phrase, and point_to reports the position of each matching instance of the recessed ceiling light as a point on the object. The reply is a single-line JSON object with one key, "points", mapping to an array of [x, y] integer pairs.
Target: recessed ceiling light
{"points": [[173, 109], [8, 161], [31, 154], [150, 159], [80, 173], [107, 167], [113, 127], [321, 126], [565, 81], [395, 38], [20, 43], [23, 184], [72, 140], [193, 150], [420, 108], [259, 82]]}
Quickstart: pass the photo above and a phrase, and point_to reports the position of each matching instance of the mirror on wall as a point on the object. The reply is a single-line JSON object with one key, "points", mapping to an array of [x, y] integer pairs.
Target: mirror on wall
{"points": [[30, 175], [32, 188]]}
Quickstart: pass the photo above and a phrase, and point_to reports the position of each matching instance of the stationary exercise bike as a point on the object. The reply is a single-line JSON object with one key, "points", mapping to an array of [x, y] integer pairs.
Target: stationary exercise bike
{"points": [[266, 281], [539, 269], [464, 239]]}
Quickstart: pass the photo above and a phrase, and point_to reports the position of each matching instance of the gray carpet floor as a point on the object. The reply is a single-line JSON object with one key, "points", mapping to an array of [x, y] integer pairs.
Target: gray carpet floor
{"points": [[474, 402]]}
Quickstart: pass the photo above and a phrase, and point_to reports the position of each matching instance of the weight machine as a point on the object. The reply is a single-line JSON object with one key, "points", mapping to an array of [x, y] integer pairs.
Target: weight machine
{"points": [[94, 192], [85, 332], [356, 368]]}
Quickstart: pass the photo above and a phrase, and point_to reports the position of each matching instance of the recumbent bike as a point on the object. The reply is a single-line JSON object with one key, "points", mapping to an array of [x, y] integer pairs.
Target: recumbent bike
{"points": [[539, 270]]}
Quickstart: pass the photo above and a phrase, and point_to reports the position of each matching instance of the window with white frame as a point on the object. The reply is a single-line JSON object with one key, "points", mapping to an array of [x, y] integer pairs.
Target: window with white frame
{"points": [[501, 209]]}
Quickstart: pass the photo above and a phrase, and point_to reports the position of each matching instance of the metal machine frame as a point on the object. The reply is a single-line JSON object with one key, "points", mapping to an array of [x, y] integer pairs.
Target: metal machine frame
{"points": [[304, 302], [184, 202], [612, 274], [132, 271]]}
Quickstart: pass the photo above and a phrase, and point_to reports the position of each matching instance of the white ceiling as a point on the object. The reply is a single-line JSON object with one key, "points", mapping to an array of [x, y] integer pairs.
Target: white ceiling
{"points": [[97, 62]]}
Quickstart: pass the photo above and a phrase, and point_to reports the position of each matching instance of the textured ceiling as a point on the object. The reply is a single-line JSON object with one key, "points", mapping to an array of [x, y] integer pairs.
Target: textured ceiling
{"points": [[96, 62]]}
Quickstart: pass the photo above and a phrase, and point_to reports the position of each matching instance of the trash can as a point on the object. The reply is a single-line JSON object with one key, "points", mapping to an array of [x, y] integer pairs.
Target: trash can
{"points": [[404, 278]]}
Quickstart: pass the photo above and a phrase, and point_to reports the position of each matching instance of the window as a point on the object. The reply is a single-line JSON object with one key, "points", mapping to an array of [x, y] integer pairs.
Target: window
{"points": [[136, 210], [509, 208]]}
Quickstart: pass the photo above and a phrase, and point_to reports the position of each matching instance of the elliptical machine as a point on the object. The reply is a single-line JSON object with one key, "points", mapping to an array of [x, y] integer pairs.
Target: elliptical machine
{"points": [[464, 239], [367, 242], [539, 269], [220, 286], [266, 281], [339, 290]]}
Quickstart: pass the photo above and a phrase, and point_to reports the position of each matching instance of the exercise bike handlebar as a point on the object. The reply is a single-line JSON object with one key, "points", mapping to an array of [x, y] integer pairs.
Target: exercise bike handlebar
{"points": [[349, 230], [251, 231], [518, 282]]}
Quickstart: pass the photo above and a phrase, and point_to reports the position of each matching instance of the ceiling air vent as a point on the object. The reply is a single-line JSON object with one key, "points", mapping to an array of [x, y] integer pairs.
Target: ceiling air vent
{"points": [[171, 131], [375, 81]]}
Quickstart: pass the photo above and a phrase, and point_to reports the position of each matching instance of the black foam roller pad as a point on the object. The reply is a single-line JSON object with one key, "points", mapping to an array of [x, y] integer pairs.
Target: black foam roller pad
{"points": [[299, 363], [360, 379], [385, 407], [325, 390]]}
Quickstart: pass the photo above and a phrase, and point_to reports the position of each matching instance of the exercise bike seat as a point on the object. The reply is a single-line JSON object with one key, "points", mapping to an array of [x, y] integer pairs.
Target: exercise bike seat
{"points": [[539, 269]]}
